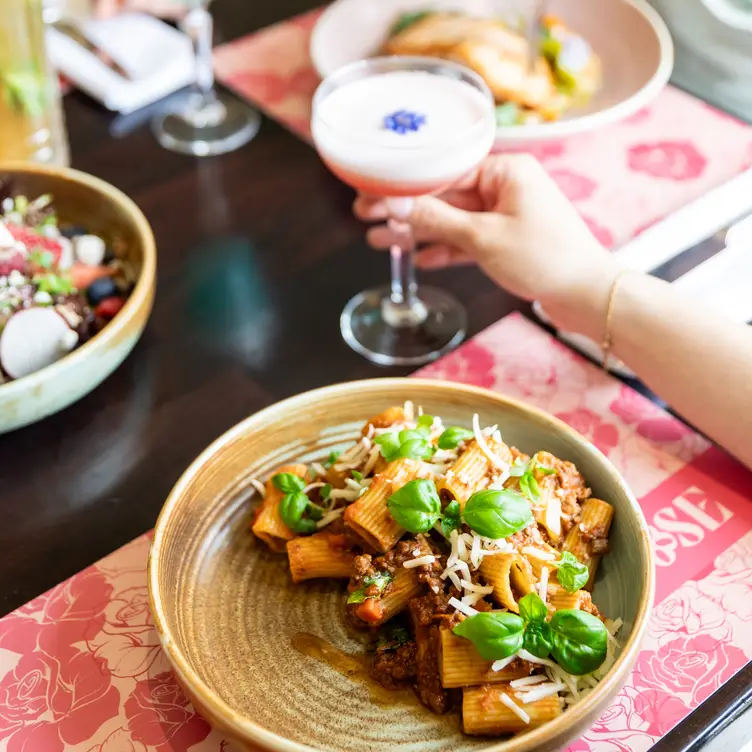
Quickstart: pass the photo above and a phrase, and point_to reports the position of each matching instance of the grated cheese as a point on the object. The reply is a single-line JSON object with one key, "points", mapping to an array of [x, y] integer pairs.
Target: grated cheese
{"points": [[527, 681], [514, 707], [473, 588], [319, 468], [462, 607], [472, 598], [330, 517], [259, 486], [419, 562], [455, 580], [553, 515], [373, 456], [537, 553], [534, 659], [502, 663], [311, 486], [409, 409], [540, 692], [350, 483], [483, 444], [543, 585], [348, 494]]}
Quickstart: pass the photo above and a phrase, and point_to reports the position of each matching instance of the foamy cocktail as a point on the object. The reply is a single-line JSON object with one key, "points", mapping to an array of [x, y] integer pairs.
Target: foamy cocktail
{"points": [[403, 127]]}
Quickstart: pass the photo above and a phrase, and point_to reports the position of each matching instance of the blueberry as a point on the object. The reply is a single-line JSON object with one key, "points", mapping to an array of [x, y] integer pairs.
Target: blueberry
{"points": [[72, 231], [101, 288]]}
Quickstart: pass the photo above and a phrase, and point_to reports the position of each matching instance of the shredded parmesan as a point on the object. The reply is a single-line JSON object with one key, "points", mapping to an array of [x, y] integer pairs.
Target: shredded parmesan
{"points": [[553, 515], [350, 483], [543, 585], [319, 468], [527, 681], [455, 580], [536, 553], [534, 659], [462, 607], [409, 409], [311, 486], [472, 598], [503, 663], [369, 432], [259, 486], [329, 517], [483, 444], [419, 562], [514, 707], [348, 494], [473, 588], [373, 456], [541, 692]]}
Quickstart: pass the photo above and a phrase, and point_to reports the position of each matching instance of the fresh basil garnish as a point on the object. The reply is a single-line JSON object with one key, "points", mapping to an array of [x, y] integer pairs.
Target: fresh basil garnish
{"points": [[406, 20], [579, 641], [333, 457], [326, 492], [526, 473], [497, 514], [54, 284], [389, 444], [425, 424], [453, 437], [538, 639], [380, 580], [532, 608], [451, 519], [357, 476], [495, 635], [417, 449], [573, 575], [409, 444], [292, 508], [288, 482], [416, 506]]}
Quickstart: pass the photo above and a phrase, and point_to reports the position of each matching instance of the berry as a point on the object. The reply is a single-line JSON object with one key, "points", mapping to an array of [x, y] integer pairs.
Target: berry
{"points": [[101, 288], [109, 307]]}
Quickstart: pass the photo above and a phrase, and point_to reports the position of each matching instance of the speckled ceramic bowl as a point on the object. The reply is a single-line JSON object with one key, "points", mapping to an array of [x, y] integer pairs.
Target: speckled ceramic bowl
{"points": [[83, 200], [227, 612]]}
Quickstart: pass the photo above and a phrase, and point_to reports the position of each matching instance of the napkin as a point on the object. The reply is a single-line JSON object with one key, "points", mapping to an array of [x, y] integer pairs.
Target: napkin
{"points": [[158, 58]]}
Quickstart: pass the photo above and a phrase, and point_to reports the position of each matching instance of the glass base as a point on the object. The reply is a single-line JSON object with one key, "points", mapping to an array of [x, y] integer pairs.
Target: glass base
{"points": [[366, 329], [205, 129]]}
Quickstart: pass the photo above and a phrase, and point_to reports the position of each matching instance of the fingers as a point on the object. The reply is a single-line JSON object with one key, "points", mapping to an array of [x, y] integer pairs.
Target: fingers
{"points": [[440, 256]]}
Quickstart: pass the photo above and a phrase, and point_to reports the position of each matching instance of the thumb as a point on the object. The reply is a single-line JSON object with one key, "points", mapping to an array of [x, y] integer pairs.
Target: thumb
{"points": [[434, 220]]}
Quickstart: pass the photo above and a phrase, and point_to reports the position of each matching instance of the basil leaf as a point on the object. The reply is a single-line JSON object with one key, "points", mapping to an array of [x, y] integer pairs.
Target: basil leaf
{"points": [[416, 449], [326, 492], [495, 635], [292, 508], [333, 457], [41, 258], [497, 514], [573, 575], [532, 608], [529, 486], [393, 637], [288, 483], [357, 476], [546, 470], [315, 512], [390, 446], [579, 641], [451, 518], [538, 639], [425, 424], [380, 579], [410, 434], [453, 437], [406, 20], [312, 474], [416, 506]]}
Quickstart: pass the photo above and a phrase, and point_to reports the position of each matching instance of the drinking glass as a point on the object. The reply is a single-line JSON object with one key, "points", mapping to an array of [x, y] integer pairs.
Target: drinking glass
{"points": [[403, 324], [31, 117], [207, 121]]}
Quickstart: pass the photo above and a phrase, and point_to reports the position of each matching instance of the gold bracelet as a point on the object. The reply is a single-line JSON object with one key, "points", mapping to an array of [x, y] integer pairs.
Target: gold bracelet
{"points": [[607, 341]]}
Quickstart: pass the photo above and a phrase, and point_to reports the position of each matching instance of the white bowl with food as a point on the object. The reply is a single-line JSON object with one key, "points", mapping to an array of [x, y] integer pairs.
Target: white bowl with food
{"points": [[599, 61]]}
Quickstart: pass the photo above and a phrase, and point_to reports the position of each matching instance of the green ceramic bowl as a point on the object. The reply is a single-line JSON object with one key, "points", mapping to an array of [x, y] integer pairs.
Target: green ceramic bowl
{"points": [[227, 612], [81, 199]]}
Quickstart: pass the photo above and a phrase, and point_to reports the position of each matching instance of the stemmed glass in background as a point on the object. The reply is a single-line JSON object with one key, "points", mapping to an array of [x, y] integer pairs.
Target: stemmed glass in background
{"points": [[403, 136], [208, 121]]}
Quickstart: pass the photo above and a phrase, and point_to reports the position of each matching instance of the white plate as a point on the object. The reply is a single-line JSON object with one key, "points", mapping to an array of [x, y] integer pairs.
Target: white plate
{"points": [[630, 37]]}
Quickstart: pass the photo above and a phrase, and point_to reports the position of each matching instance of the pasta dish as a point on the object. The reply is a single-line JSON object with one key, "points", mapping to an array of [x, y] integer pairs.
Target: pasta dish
{"points": [[469, 563]]}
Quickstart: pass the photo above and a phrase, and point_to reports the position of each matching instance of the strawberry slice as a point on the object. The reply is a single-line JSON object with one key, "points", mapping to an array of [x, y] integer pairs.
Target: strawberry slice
{"points": [[36, 242], [11, 260]]}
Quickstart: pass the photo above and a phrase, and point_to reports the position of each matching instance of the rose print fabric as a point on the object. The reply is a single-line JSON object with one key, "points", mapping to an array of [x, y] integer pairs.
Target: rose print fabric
{"points": [[81, 668], [622, 178]]}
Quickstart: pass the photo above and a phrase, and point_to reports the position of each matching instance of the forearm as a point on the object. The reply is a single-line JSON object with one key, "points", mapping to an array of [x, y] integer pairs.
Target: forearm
{"points": [[696, 360]]}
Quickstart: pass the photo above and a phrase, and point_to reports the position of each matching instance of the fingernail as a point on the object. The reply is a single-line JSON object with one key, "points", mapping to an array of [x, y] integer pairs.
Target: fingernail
{"points": [[379, 210], [400, 208]]}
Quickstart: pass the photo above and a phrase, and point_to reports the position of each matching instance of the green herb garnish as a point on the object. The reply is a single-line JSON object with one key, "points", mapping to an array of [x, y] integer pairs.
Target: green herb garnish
{"points": [[357, 476], [526, 473], [495, 635], [573, 575], [410, 444], [41, 258], [507, 114], [451, 519], [406, 20], [497, 514], [453, 437], [333, 457], [416, 506], [326, 492], [54, 284], [393, 638], [579, 641], [292, 507], [288, 482], [380, 580]]}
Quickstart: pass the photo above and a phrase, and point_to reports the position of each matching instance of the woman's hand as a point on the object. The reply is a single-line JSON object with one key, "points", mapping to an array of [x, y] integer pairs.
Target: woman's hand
{"points": [[513, 221]]}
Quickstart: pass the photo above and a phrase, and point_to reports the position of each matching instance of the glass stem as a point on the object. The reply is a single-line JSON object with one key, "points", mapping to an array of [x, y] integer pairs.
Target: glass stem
{"points": [[199, 27], [403, 308]]}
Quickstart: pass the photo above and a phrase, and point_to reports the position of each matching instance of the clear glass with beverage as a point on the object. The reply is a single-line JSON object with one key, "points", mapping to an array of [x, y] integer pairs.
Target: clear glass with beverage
{"points": [[31, 118], [402, 127]]}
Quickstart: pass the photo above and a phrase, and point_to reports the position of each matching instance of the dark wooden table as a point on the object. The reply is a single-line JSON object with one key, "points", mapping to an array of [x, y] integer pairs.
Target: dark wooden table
{"points": [[258, 253]]}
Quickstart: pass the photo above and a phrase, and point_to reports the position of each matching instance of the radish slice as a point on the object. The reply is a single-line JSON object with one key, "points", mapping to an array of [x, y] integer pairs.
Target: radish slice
{"points": [[33, 339]]}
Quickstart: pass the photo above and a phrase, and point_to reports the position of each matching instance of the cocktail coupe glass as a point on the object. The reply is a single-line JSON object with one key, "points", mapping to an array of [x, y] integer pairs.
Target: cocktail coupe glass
{"points": [[207, 121], [399, 128]]}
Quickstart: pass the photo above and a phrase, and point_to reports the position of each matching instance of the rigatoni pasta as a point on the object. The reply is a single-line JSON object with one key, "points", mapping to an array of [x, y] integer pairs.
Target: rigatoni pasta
{"points": [[465, 559]]}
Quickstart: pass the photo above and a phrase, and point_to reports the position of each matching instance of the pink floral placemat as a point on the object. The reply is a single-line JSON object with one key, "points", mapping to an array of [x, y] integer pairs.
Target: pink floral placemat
{"points": [[81, 668], [622, 178]]}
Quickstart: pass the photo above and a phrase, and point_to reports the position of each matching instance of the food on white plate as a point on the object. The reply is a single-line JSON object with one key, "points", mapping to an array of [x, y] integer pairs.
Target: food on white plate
{"points": [[469, 563], [59, 284], [566, 74]]}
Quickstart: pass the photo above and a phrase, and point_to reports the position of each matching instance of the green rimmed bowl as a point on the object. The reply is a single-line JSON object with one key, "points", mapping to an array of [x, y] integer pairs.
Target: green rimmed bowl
{"points": [[228, 614]]}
